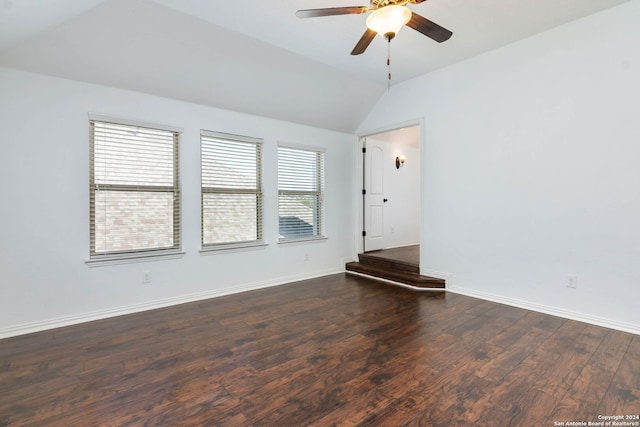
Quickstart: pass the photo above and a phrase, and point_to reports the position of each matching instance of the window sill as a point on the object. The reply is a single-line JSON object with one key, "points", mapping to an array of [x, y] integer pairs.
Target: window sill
{"points": [[132, 258], [234, 247], [302, 240]]}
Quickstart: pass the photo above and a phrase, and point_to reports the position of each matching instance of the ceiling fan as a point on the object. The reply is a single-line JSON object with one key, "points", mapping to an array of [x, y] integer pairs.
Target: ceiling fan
{"points": [[386, 19]]}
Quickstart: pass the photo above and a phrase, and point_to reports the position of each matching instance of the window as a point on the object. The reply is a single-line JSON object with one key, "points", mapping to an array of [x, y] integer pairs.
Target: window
{"points": [[231, 190], [134, 189], [300, 193]]}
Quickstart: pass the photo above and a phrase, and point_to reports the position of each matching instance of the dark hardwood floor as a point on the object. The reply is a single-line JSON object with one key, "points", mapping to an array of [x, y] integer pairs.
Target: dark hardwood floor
{"points": [[338, 350]]}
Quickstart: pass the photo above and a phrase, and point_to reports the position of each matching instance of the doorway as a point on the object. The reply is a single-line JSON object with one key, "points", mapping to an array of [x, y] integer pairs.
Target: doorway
{"points": [[391, 175]]}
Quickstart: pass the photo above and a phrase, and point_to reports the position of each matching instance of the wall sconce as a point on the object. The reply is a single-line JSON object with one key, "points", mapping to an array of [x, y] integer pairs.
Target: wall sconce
{"points": [[400, 161]]}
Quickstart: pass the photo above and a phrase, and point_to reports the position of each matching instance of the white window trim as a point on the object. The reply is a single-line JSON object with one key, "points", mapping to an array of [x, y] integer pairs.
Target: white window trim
{"points": [[306, 239], [302, 240], [232, 247], [304, 147], [162, 254], [142, 256], [131, 122], [226, 247]]}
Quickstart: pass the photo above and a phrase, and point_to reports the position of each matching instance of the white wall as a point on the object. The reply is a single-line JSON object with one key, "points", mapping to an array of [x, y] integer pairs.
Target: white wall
{"points": [[531, 169], [402, 188], [44, 218]]}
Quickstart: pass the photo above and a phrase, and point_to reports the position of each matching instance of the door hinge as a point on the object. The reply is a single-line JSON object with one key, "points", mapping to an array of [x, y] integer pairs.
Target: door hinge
{"points": [[364, 191], [364, 149], [364, 233]]}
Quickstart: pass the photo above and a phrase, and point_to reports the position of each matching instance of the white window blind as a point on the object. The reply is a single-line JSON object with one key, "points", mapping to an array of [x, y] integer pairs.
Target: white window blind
{"points": [[300, 193], [231, 189], [134, 189]]}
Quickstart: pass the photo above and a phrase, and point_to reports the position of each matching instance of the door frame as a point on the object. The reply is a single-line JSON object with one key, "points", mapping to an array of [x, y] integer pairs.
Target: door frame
{"points": [[359, 174]]}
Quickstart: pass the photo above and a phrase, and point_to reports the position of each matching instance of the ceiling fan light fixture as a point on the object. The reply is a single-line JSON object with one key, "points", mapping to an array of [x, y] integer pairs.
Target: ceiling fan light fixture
{"points": [[387, 21]]}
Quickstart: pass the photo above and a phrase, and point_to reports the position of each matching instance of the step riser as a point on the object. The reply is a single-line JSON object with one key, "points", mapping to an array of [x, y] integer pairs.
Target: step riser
{"points": [[388, 264], [412, 279]]}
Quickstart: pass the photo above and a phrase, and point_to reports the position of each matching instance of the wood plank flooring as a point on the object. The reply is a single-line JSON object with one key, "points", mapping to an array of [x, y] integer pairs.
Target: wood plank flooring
{"points": [[339, 350]]}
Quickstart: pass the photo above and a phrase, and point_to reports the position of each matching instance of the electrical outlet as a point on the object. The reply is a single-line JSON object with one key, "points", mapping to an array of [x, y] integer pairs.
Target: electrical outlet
{"points": [[572, 281], [146, 277], [306, 256]]}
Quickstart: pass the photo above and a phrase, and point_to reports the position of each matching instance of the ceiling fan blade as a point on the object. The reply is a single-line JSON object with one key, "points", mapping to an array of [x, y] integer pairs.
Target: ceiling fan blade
{"points": [[329, 11], [428, 28], [364, 42]]}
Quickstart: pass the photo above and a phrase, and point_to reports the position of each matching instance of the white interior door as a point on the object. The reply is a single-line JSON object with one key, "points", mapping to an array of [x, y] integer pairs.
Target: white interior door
{"points": [[374, 197]]}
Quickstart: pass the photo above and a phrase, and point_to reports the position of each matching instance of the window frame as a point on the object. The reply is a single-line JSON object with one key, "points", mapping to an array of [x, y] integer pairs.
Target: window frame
{"points": [[134, 255], [318, 194], [258, 191]]}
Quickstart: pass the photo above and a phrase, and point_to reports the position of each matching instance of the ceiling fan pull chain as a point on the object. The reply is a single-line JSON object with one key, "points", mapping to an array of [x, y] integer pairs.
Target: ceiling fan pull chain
{"points": [[389, 64]]}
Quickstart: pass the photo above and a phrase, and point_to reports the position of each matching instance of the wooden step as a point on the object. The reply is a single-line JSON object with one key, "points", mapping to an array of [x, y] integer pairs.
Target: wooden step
{"points": [[386, 270], [372, 259]]}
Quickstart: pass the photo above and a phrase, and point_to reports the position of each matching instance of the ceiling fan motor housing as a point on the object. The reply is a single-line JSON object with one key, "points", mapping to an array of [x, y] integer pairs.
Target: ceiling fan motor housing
{"points": [[377, 4]]}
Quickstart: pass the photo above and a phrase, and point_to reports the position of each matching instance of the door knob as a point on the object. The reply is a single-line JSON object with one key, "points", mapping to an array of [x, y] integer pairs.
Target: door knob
{"points": [[385, 200]]}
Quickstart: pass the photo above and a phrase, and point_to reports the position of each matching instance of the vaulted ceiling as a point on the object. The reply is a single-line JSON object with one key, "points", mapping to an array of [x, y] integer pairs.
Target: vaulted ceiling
{"points": [[255, 56]]}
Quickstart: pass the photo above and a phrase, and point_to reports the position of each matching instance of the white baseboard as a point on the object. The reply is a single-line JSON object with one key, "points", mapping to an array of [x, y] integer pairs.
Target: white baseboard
{"points": [[438, 275], [43, 325], [27, 328], [554, 311], [345, 261]]}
